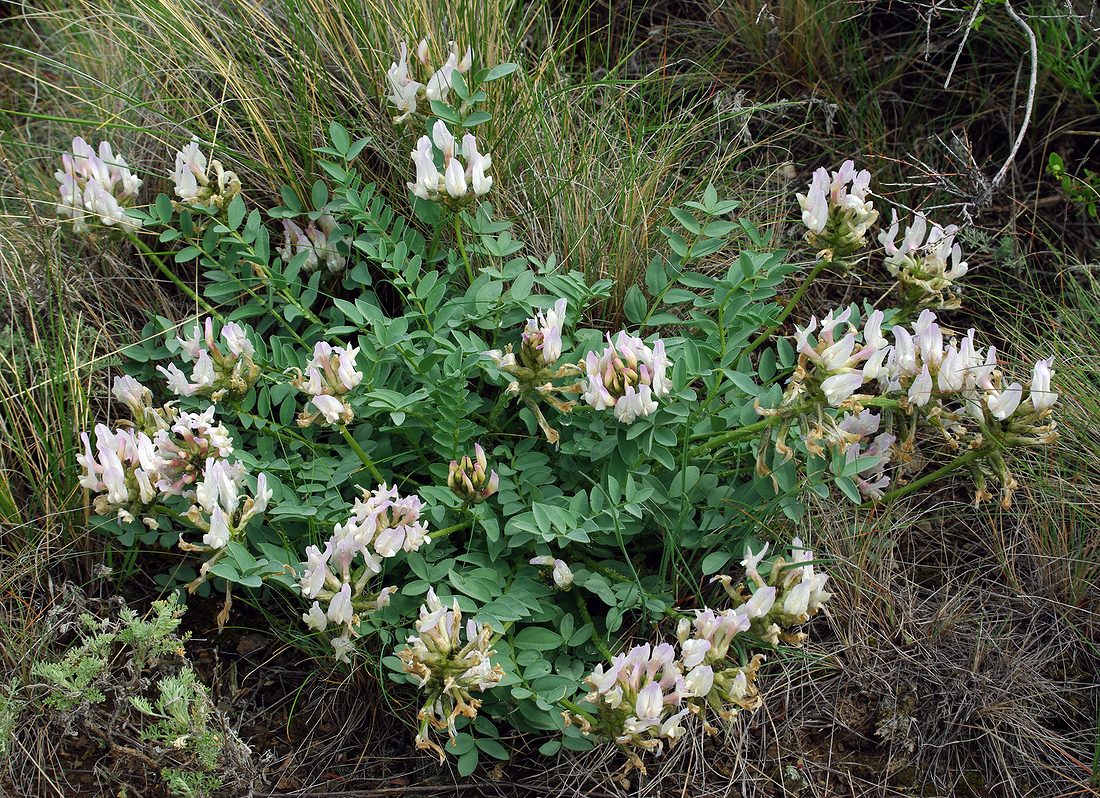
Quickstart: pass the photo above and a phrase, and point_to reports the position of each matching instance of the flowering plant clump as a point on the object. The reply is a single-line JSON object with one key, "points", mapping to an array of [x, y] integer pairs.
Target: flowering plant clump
{"points": [[420, 439]]}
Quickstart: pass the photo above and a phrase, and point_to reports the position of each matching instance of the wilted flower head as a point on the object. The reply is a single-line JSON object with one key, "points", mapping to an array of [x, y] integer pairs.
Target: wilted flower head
{"points": [[96, 185], [471, 479], [200, 182], [447, 668]]}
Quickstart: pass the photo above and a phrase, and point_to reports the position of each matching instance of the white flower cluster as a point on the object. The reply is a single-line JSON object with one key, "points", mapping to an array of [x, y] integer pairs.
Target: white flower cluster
{"points": [[792, 594], [541, 339], [646, 694], [198, 181], [560, 571], [455, 180], [123, 470], [927, 262], [836, 211], [941, 381], [447, 668], [216, 374], [541, 344], [628, 376], [839, 366], [405, 92], [328, 377], [184, 449], [132, 469], [382, 523], [319, 240], [221, 510], [96, 185]]}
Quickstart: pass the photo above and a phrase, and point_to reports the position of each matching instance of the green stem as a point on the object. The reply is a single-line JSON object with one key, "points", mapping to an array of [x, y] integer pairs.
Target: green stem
{"points": [[180, 284], [600, 569], [917, 484], [576, 710], [462, 248], [741, 433], [764, 336], [586, 616], [448, 530], [354, 444]]}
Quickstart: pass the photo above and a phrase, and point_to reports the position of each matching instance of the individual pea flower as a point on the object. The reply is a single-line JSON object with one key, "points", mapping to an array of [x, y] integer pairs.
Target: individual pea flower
{"points": [[560, 571], [139, 400], [183, 450], [405, 92], [836, 211], [1041, 397], [928, 267], [629, 376], [123, 470], [448, 669], [319, 241], [471, 479], [638, 699], [329, 376], [201, 182], [96, 185], [455, 181], [217, 373]]}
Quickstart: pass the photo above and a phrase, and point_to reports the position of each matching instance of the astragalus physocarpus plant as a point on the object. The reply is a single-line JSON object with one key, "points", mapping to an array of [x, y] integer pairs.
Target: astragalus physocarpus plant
{"points": [[393, 412]]}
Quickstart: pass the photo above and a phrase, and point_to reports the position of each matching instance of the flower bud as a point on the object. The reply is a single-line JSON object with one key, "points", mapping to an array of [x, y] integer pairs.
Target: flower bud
{"points": [[471, 479]]}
